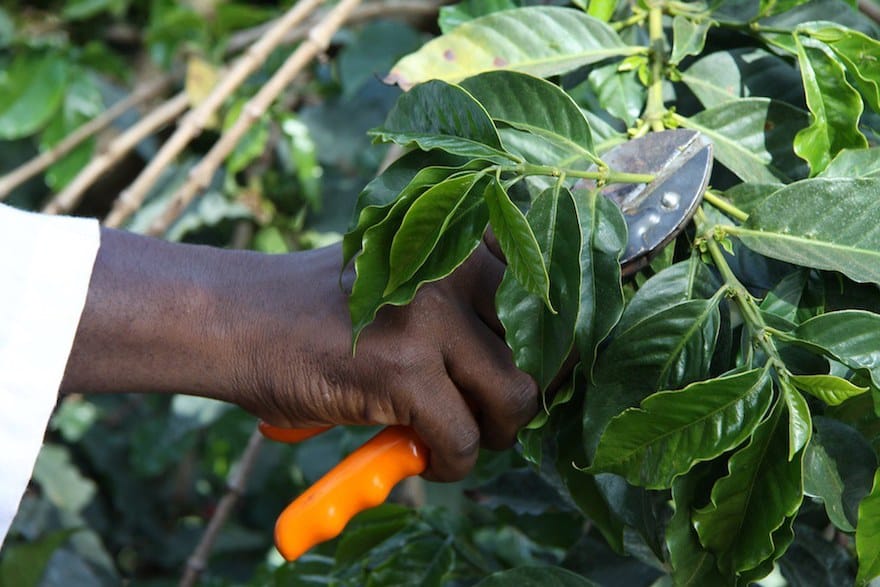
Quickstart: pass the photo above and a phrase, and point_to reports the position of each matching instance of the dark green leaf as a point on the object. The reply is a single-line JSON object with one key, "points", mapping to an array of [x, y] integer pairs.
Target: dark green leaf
{"points": [[31, 91], [736, 11], [603, 239], [851, 337], [692, 565], [838, 469], [673, 430], [800, 423], [868, 535], [438, 115], [820, 223], [722, 76], [517, 242], [762, 489], [513, 39], [619, 92], [423, 225], [541, 339], [23, 565], [837, 11], [370, 528], [785, 297], [753, 138], [426, 560], [668, 350], [835, 105], [688, 37], [830, 389], [536, 577], [536, 106]]}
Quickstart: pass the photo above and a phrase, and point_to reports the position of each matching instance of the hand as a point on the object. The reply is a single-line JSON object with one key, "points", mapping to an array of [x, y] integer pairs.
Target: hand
{"points": [[272, 334]]}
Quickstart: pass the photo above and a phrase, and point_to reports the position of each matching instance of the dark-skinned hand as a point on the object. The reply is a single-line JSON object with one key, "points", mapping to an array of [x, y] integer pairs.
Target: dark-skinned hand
{"points": [[272, 334]]}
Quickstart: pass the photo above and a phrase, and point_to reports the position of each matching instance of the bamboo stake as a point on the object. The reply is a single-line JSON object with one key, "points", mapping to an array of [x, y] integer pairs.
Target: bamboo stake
{"points": [[44, 160], [195, 121], [69, 197], [316, 43]]}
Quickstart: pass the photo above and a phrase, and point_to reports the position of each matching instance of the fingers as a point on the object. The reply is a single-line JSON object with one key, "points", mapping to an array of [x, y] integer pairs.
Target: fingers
{"points": [[442, 419], [505, 399], [485, 273]]}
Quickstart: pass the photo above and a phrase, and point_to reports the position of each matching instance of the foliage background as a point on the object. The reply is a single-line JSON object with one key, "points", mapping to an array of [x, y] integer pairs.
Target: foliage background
{"points": [[126, 485]]}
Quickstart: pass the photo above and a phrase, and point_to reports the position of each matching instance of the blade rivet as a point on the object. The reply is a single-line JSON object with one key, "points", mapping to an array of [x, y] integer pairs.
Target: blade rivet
{"points": [[670, 200]]}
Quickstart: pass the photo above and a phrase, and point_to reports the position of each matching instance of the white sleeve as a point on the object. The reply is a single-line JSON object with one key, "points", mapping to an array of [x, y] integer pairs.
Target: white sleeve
{"points": [[45, 266]]}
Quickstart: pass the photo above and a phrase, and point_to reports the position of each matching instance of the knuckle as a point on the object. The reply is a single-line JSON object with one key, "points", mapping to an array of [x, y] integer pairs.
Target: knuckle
{"points": [[522, 399]]}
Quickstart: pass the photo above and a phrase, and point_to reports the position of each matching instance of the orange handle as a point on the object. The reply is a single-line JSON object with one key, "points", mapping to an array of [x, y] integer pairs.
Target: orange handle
{"points": [[360, 481]]}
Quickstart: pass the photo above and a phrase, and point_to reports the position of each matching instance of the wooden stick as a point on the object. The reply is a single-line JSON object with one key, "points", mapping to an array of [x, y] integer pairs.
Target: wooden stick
{"points": [[405, 9], [235, 488], [195, 121], [69, 197], [41, 162], [870, 10], [200, 176]]}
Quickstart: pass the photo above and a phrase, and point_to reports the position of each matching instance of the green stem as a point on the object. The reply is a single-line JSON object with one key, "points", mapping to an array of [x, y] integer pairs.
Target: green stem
{"points": [[655, 110], [725, 206], [606, 175], [748, 307]]}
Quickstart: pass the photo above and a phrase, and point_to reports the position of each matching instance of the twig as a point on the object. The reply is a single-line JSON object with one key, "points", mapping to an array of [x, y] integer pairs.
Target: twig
{"points": [[404, 9], [200, 176], [193, 123], [235, 488], [870, 10], [41, 162], [70, 196]]}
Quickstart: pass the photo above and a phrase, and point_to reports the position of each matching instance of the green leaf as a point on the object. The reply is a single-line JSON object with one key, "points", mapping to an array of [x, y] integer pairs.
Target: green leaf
{"points": [[453, 16], [535, 106], [603, 239], [23, 565], [851, 163], [252, 144], [834, 103], [517, 242], [762, 488], [820, 223], [539, 40], [785, 297], [692, 565], [31, 91], [602, 9], [838, 469], [669, 349], [688, 37], [830, 389], [423, 225], [61, 481], [438, 115], [535, 577], [800, 423], [619, 92], [868, 535], [721, 76], [753, 138], [859, 53], [851, 337], [370, 528], [82, 102], [427, 560], [541, 340], [673, 430]]}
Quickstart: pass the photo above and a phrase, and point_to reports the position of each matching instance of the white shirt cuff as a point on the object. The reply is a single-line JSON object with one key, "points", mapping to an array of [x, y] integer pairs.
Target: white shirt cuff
{"points": [[46, 264]]}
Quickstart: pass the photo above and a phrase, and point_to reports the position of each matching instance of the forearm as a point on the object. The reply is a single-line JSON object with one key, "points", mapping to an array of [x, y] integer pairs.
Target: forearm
{"points": [[154, 319]]}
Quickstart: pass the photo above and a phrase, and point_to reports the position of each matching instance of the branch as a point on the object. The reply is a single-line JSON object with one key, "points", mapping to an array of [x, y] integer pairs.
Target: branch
{"points": [[70, 196], [195, 121], [200, 176], [235, 488], [870, 10], [41, 162], [404, 9]]}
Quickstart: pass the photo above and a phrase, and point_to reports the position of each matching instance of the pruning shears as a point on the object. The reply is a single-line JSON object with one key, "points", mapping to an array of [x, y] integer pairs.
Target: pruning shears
{"points": [[680, 161]]}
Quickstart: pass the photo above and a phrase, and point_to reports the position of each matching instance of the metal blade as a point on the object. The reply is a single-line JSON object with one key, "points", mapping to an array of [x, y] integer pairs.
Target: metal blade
{"points": [[681, 161]]}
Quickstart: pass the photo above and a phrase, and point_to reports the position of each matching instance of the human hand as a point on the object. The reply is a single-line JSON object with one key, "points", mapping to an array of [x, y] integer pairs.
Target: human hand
{"points": [[272, 334]]}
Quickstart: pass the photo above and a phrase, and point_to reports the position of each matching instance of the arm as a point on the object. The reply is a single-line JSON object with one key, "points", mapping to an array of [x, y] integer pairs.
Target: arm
{"points": [[271, 333]]}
